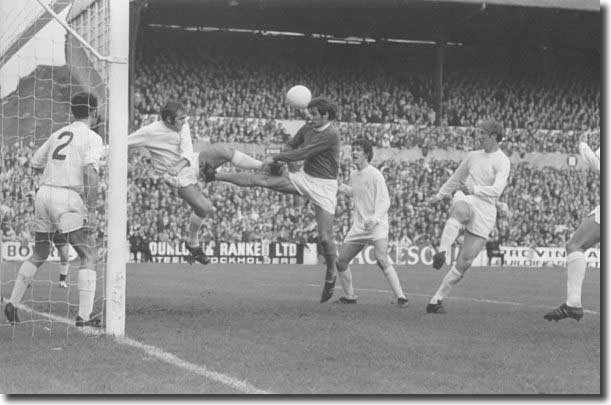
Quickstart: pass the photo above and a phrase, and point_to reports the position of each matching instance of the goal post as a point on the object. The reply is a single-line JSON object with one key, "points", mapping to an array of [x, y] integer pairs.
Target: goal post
{"points": [[118, 112]]}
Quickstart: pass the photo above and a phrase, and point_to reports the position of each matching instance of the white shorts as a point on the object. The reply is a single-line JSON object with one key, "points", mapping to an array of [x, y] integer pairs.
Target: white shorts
{"points": [[322, 192], [483, 214], [187, 176], [359, 235], [58, 209], [596, 213]]}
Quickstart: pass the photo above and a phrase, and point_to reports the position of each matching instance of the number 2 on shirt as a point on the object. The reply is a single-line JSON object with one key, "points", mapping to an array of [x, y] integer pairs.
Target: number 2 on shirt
{"points": [[60, 156]]}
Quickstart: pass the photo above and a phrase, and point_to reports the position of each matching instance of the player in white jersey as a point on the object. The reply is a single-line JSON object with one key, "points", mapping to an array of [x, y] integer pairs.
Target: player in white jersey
{"points": [[370, 223], [476, 184], [586, 236], [170, 145], [65, 204]]}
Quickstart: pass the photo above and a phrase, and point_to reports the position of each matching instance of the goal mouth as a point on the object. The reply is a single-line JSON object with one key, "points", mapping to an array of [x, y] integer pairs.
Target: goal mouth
{"points": [[54, 50]]}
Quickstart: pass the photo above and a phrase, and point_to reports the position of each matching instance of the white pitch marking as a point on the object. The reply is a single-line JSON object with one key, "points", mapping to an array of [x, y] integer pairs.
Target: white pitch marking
{"points": [[520, 304], [166, 357]]}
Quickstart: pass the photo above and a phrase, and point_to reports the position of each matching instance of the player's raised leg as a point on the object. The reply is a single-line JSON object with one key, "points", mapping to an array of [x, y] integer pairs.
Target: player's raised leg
{"points": [[217, 154], [586, 236], [27, 271], [459, 215], [202, 207], [347, 252], [381, 251], [280, 183], [472, 245]]}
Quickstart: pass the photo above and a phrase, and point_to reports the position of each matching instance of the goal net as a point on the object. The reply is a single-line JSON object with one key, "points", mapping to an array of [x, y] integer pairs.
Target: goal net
{"points": [[50, 51]]}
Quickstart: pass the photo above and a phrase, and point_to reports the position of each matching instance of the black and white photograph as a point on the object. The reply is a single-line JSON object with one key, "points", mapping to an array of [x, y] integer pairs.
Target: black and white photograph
{"points": [[314, 198]]}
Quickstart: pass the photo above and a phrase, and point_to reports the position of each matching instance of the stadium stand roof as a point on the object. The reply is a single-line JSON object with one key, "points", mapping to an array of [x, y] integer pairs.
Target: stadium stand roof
{"points": [[554, 23]]}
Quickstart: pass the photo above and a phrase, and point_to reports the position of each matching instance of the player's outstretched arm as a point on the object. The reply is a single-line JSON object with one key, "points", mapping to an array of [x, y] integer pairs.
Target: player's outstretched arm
{"points": [[138, 139], [382, 198], [319, 145], [186, 142], [455, 181]]}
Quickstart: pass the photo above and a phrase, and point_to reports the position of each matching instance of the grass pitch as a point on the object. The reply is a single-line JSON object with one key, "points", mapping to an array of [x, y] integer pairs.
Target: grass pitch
{"points": [[206, 330]]}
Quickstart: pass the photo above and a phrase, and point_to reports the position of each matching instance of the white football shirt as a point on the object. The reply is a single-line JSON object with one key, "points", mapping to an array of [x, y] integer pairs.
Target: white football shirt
{"points": [[166, 146], [370, 196], [486, 172], [65, 153]]}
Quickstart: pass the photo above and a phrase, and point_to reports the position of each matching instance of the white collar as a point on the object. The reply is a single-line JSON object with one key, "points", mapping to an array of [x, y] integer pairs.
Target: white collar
{"points": [[320, 129]]}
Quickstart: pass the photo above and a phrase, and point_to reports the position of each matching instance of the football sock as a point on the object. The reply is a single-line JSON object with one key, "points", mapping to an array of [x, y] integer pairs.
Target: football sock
{"points": [[24, 278], [244, 161], [63, 270], [452, 277], [393, 279], [330, 261], [330, 254], [195, 223], [449, 234], [86, 292], [345, 278], [576, 270]]}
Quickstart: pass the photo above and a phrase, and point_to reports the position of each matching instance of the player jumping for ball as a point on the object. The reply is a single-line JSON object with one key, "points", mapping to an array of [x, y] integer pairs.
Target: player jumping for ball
{"points": [[171, 148], [371, 203], [477, 185], [317, 143]]}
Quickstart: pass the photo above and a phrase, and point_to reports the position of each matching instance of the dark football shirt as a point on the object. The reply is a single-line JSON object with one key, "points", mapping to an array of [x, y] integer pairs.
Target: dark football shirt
{"points": [[319, 150]]}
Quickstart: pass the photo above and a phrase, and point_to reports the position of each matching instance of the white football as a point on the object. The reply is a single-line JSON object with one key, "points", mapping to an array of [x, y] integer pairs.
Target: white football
{"points": [[299, 96]]}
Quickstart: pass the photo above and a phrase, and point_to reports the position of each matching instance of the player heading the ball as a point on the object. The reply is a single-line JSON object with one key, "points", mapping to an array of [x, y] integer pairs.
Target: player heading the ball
{"points": [[317, 143]]}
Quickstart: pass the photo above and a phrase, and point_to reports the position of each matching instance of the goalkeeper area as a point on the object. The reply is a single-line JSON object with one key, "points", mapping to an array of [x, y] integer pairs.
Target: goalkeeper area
{"points": [[235, 329]]}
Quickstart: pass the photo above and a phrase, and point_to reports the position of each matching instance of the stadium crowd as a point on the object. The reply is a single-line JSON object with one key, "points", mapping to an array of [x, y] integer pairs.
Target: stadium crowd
{"points": [[233, 91], [402, 136], [236, 75], [548, 204]]}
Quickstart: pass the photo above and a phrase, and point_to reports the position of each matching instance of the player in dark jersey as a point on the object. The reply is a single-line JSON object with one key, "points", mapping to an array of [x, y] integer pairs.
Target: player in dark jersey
{"points": [[317, 143]]}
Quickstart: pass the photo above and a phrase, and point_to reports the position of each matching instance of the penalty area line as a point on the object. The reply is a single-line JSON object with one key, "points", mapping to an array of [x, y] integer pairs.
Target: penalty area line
{"points": [[519, 304], [161, 355]]}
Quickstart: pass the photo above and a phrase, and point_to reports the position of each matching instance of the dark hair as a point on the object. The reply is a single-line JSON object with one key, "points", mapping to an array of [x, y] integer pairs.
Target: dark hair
{"points": [[324, 106], [83, 104], [366, 146], [169, 110], [492, 127]]}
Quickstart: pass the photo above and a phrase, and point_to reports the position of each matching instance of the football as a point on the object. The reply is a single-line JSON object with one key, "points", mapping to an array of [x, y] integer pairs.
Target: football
{"points": [[299, 96]]}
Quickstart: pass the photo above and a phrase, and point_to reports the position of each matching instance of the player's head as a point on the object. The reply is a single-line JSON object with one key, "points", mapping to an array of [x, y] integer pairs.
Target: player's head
{"points": [[322, 109], [84, 105], [173, 115], [364, 146], [491, 128]]}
